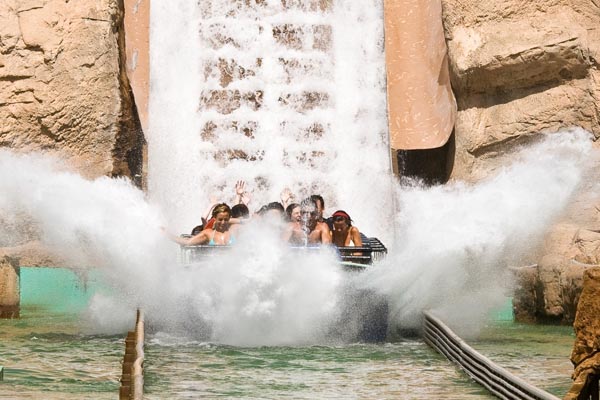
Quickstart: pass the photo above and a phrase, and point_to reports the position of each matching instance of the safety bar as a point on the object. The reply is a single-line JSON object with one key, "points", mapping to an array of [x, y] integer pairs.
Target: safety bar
{"points": [[497, 380], [372, 250]]}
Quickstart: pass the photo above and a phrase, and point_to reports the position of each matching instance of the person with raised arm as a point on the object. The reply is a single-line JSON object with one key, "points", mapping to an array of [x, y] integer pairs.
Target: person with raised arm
{"points": [[294, 232], [221, 232], [287, 197], [241, 195]]}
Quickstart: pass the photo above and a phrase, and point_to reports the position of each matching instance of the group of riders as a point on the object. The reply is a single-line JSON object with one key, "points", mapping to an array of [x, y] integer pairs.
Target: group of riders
{"points": [[303, 223]]}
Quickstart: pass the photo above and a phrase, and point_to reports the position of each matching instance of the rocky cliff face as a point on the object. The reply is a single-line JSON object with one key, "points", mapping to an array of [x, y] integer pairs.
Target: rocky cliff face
{"points": [[519, 69], [586, 350], [63, 88], [64, 91]]}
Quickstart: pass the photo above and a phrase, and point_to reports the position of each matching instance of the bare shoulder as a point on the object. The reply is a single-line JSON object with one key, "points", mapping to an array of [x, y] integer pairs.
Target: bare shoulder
{"points": [[323, 226]]}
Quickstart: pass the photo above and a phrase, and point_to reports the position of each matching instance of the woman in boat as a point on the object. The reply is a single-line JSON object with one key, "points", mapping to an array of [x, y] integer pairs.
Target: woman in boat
{"points": [[343, 233], [295, 232], [221, 232]]}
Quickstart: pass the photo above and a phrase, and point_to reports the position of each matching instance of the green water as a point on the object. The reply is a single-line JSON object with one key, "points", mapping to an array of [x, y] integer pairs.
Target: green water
{"points": [[406, 370], [538, 354], [58, 289], [47, 354]]}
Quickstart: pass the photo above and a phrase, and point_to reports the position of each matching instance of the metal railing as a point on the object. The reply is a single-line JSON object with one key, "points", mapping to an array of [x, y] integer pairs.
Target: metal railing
{"points": [[497, 380], [132, 376], [371, 251]]}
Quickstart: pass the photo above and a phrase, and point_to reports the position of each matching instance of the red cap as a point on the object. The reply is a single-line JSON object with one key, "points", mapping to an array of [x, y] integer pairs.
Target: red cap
{"points": [[341, 213]]}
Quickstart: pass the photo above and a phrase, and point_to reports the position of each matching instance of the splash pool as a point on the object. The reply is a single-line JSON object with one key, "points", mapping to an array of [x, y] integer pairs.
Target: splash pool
{"points": [[48, 353], [53, 353]]}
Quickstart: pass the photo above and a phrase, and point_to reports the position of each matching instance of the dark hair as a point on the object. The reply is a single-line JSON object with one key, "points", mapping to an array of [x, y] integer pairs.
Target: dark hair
{"points": [[275, 206], [221, 208], [197, 229], [271, 206], [240, 211], [318, 197], [308, 202], [261, 210], [289, 210]]}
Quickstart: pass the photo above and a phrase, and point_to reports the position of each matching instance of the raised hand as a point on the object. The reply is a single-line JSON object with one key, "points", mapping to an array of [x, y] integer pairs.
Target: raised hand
{"points": [[286, 197], [240, 188]]}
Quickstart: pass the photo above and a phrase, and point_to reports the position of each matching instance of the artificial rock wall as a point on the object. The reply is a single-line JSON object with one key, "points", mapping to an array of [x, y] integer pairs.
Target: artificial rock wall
{"points": [[519, 69], [64, 91], [10, 291], [586, 350], [63, 88]]}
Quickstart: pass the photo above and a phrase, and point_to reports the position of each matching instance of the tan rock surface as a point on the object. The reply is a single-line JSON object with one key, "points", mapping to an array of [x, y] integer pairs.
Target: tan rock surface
{"points": [[64, 91], [61, 90], [586, 349], [550, 290], [35, 254], [518, 70]]}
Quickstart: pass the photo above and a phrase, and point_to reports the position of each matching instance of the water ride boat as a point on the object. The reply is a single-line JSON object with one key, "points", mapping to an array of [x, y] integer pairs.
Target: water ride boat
{"points": [[372, 251], [365, 313]]}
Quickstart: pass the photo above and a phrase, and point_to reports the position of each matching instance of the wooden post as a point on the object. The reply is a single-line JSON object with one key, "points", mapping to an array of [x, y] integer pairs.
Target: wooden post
{"points": [[10, 290]]}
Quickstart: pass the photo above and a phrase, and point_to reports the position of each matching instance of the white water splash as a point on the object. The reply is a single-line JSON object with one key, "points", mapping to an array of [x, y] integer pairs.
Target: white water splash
{"points": [[454, 244], [260, 292], [456, 241]]}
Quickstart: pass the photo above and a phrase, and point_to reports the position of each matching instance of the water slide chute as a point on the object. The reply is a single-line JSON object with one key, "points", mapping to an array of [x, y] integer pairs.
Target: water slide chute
{"points": [[421, 105]]}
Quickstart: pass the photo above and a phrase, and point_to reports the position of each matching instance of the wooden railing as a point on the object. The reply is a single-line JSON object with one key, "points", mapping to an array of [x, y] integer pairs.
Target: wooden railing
{"points": [[497, 380], [132, 377]]}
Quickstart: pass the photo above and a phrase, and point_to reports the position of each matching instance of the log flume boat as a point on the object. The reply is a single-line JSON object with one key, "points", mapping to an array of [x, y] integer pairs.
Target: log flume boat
{"points": [[371, 252], [365, 314]]}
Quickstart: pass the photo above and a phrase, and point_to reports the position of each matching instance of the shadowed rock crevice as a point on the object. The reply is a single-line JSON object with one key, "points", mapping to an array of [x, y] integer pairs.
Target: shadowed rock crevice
{"points": [[129, 150], [586, 349]]}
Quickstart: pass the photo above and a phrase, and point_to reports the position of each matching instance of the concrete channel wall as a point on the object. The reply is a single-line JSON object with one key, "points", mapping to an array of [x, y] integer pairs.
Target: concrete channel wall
{"points": [[497, 380], [132, 377]]}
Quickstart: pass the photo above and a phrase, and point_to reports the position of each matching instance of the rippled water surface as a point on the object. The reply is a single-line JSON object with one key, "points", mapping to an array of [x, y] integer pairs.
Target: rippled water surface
{"points": [[406, 369], [538, 354], [50, 354], [45, 356]]}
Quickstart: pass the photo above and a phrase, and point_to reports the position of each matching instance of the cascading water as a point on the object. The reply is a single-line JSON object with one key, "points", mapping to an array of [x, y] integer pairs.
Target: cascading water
{"points": [[276, 93]]}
